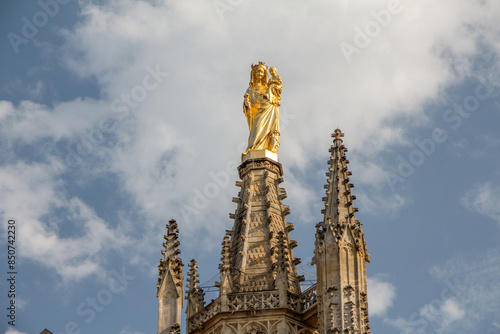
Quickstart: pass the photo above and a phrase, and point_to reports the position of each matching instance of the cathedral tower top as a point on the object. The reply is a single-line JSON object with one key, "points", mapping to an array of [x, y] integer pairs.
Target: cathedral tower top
{"points": [[259, 288]]}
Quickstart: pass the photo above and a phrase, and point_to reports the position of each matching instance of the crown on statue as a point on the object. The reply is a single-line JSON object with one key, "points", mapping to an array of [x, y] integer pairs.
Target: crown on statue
{"points": [[260, 64]]}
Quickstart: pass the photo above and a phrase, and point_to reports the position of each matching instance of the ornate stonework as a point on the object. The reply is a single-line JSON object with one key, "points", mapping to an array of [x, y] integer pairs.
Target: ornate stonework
{"points": [[259, 288], [169, 287], [340, 253]]}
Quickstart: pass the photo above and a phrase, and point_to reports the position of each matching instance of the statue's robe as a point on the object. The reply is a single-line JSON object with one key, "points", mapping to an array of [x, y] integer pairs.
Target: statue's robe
{"points": [[262, 117]]}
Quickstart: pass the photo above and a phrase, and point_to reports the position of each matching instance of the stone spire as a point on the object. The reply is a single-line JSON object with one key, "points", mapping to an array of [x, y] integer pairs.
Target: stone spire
{"points": [[194, 294], [170, 281], [340, 253], [281, 268], [226, 284], [225, 266], [258, 221]]}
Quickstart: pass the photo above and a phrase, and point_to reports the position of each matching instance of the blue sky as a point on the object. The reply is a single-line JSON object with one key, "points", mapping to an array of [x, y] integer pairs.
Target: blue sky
{"points": [[117, 116]]}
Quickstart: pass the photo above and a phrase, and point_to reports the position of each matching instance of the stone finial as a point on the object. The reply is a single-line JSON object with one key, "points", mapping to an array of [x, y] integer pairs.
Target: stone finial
{"points": [[282, 261], [281, 252], [194, 294], [170, 260], [171, 243], [337, 134], [225, 285], [281, 267], [192, 277], [226, 254]]}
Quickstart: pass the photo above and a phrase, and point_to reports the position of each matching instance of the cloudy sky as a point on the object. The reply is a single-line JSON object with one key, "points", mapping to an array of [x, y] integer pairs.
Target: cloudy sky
{"points": [[116, 116]]}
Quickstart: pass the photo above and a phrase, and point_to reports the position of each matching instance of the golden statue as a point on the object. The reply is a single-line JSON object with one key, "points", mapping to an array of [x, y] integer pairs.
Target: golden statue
{"points": [[261, 106]]}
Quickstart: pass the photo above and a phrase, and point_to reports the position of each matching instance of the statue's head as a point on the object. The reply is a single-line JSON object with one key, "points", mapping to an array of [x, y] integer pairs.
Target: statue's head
{"points": [[258, 74]]}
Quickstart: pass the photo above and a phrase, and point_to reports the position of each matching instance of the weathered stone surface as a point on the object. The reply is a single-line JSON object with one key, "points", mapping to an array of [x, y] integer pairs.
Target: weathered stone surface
{"points": [[259, 221]]}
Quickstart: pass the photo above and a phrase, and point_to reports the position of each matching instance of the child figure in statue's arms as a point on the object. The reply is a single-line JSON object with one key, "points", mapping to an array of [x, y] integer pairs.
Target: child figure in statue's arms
{"points": [[275, 87]]}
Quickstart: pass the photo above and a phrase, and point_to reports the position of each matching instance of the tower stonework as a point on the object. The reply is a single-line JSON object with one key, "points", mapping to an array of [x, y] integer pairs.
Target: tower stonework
{"points": [[258, 221], [259, 288]]}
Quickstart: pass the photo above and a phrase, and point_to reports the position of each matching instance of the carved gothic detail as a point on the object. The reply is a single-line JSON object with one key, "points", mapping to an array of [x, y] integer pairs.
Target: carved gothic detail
{"points": [[340, 244], [259, 288]]}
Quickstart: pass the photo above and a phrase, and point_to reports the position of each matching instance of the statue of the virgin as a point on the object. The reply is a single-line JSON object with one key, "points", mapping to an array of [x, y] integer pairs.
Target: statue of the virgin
{"points": [[261, 106]]}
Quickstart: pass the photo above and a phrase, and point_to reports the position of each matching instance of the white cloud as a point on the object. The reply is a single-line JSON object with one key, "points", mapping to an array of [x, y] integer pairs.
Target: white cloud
{"points": [[6, 108], [408, 326], [31, 122], [376, 205], [381, 295], [483, 198], [21, 303], [470, 297], [29, 193], [443, 312], [303, 201], [11, 330], [452, 310], [128, 330]]}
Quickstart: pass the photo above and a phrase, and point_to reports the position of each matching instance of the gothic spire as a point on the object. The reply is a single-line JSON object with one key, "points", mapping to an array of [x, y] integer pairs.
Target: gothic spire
{"points": [[258, 220], [225, 285], [340, 253], [192, 277], [170, 280], [194, 294], [339, 212], [170, 255]]}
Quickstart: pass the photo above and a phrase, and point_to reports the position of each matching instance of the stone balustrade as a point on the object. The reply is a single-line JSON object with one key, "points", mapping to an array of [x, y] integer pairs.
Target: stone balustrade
{"points": [[248, 301]]}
